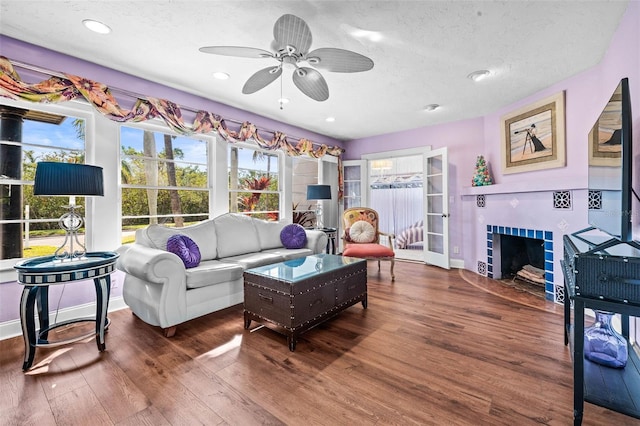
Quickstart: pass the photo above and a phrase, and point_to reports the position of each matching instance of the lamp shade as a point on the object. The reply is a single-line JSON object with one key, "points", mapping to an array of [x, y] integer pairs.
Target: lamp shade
{"points": [[318, 192], [67, 179]]}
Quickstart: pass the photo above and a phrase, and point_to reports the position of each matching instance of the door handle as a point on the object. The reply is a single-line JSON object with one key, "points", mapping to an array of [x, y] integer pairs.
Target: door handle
{"points": [[445, 214]]}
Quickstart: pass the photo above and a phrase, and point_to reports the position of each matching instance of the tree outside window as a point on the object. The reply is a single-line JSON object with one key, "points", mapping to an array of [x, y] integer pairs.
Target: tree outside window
{"points": [[254, 185]]}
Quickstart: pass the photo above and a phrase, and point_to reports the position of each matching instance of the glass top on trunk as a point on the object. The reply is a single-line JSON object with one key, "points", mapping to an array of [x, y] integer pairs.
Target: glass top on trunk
{"points": [[295, 270]]}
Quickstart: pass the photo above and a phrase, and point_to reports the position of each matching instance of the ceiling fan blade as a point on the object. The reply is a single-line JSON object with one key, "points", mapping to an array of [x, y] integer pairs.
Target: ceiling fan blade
{"points": [[243, 52], [292, 31], [311, 83], [339, 60], [261, 79]]}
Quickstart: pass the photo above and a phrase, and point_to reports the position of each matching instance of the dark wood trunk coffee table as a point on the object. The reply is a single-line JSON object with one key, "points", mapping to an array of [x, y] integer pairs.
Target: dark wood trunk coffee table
{"points": [[299, 294]]}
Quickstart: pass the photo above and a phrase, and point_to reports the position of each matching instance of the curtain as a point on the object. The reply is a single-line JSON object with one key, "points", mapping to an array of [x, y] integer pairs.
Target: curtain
{"points": [[396, 193], [68, 87]]}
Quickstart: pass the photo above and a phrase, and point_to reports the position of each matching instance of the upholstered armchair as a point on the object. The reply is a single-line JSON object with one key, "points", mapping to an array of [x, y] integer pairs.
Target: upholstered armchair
{"points": [[362, 238]]}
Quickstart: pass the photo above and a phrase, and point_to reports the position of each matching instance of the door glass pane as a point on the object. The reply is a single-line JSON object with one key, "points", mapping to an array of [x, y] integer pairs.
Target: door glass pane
{"points": [[352, 187], [434, 165], [434, 204], [352, 173], [436, 243], [435, 185], [435, 224]]}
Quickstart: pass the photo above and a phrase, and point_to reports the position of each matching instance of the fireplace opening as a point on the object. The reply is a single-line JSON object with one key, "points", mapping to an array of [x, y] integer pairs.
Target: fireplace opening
{"points": [[531, 250], [522, 258]]}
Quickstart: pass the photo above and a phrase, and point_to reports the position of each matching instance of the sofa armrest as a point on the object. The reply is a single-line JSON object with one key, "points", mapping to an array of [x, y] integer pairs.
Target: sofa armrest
{"points": [[316, 241], [149, 264]]}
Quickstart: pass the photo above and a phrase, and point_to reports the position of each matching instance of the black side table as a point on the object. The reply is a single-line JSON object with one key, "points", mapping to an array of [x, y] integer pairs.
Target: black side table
{"points": [[38, 274]]}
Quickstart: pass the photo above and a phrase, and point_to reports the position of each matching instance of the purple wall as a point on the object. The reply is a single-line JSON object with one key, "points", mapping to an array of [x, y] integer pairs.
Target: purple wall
{"points": [[585, 96]]}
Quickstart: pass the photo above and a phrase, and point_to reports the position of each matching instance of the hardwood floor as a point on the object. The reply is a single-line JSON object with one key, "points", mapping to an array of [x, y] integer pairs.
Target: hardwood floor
{"points": [[434, 348]]}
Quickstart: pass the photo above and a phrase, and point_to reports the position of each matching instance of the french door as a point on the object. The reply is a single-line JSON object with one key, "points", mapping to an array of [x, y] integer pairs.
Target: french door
{"points": [[409, 189], [436, 211]]}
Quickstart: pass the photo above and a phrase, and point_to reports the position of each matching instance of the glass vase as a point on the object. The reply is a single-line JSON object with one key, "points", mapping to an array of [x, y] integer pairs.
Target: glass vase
{"points": [[604, 345]]}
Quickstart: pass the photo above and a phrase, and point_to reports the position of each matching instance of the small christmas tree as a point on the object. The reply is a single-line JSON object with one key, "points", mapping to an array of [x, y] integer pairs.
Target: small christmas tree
{"points": [[482, 176]]}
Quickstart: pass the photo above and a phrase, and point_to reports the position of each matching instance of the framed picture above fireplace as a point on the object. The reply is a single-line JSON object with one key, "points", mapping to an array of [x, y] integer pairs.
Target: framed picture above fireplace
{"points": [[533, 137]]}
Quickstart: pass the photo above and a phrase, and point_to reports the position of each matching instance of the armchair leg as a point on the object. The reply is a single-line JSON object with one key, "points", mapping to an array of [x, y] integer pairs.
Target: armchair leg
{"points": [[169, 332], [393, 262]]}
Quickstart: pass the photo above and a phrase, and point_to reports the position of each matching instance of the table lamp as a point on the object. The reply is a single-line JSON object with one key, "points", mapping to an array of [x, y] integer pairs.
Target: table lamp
{"points": [[319, 193], [67, 179]]}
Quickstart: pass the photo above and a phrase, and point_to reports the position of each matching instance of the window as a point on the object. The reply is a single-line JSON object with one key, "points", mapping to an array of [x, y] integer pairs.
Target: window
{"points": [[304, 172], [29, 224], [164, 179], [254, 184]]}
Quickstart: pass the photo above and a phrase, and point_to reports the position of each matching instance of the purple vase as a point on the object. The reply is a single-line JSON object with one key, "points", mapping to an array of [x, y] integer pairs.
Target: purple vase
{"points": [[604, 345]]}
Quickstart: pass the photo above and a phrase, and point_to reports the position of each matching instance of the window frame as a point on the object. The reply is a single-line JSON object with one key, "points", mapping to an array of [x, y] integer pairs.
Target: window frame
{"points": [[157, 126], [76, 109], [252, 145]]}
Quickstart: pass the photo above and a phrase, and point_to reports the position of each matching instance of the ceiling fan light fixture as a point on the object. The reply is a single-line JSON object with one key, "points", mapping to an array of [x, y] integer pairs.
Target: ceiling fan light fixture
{"points": [[96, 26], [431, 107], [291, 44], [283, 101], [479, 75], [219, 75]]}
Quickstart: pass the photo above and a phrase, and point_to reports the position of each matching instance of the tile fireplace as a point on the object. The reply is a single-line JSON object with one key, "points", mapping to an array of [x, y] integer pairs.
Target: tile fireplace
{"points": [[525, 247]]}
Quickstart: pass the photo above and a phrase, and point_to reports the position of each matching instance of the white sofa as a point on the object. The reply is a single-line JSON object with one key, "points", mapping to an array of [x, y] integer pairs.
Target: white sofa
{"points": [[162, 292]]}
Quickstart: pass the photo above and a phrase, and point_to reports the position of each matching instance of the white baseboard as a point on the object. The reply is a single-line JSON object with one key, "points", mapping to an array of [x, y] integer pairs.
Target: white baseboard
{"points": [[13, 328], [457, 263]]}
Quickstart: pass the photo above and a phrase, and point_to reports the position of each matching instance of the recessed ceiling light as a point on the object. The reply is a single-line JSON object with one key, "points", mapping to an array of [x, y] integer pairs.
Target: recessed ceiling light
{"points": [[330, 119], [96, 26], [219, 75], [374, 36], [479, 75], [431, 107]]}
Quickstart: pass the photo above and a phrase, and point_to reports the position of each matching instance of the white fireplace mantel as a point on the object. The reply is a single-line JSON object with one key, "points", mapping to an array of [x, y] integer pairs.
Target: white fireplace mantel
{"points": [[532, 185]]}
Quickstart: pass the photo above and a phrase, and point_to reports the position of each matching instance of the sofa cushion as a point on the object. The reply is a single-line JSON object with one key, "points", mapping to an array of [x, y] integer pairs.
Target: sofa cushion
{"points": [[202, 233], [287, 254], [293, 236], [212, 272], [269, 233], [185, 248], [253, 260], [362, 232], [236, 234], [367, 250]]}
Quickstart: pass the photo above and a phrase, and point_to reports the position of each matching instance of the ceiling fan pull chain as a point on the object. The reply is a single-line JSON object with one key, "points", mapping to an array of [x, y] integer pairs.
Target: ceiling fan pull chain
{"points": [[281, 92]]}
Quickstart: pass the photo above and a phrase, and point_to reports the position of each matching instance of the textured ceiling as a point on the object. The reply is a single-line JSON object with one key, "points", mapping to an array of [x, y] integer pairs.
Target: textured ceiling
{"points": [[426, 51]]}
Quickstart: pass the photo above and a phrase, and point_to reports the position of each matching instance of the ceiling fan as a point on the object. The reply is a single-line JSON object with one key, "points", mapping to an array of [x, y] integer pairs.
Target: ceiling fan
{"points": [[292, 40]]}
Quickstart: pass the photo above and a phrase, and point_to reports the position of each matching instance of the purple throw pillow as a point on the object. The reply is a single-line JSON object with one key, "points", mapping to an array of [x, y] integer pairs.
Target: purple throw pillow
{"points": [[185, 248], [293, 236]]}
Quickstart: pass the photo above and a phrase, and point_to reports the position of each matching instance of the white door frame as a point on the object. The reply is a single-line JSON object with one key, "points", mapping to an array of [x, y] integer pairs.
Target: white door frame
{"points": [[429, 256]]}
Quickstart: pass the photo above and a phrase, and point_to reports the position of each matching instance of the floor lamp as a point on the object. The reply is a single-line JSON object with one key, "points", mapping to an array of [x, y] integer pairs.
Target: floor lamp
{"points": [[319, 193], [67, 179]]}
